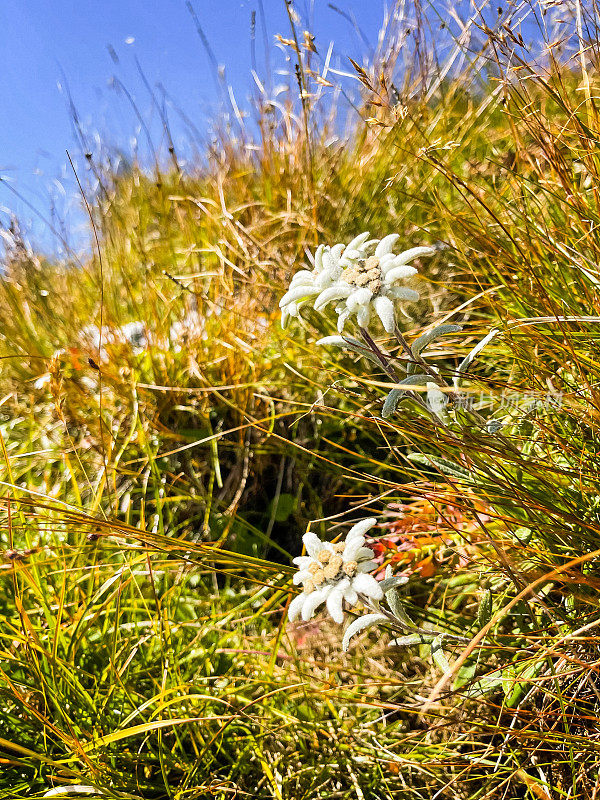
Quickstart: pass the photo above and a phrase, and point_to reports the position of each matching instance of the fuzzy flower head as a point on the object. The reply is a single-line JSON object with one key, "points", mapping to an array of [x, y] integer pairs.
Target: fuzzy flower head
{"points": [[362, 277], [332, 573]]}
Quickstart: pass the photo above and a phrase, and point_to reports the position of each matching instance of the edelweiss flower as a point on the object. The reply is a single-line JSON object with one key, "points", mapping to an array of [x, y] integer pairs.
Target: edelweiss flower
{"points": [[332, 573], [133, 333], [363, 275], [182, 331]]}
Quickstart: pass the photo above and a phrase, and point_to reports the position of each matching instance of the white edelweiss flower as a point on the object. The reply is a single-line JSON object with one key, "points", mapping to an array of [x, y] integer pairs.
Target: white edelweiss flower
{"points": [[191, 326], [334, 573], [42, 381], [134, 333], [362, 276], [96, 339]]}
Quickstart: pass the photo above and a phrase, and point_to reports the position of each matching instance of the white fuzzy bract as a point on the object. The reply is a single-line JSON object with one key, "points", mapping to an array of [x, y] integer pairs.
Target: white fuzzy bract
{"points": [[362, 277], [332, 573]]}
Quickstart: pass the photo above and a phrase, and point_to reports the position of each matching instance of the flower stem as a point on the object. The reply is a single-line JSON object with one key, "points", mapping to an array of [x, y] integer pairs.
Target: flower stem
{"points": [[390, 371], [417, 359]]}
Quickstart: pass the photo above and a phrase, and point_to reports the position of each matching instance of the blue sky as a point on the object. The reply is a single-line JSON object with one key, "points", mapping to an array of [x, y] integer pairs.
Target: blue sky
{"points": [[49, 44]]}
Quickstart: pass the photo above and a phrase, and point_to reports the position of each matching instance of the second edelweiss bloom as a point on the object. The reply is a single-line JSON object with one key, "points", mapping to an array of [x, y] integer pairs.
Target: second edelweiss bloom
{"points": [[332, 573], [361, 277]]}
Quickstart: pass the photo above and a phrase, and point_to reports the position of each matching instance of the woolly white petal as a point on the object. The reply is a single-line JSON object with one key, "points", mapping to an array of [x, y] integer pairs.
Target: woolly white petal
{"points": [[385, 311], [361, 624], [336, 341], [358, 241], [363, 316], [351, 596], [313, 601], [297, 293], [352, 548], [334, 604], [304, 276], [301, 576], [337, 292], [404, 293], [296, 606], [355, 537], [319, 257], [329, 264], [337, 250], [291, 310], [326, 278], [414, 252], [367, 585], [349, 257], [302, 562], [400, 273], [386, 263], [358, 297], [360, 528], [313, 544], [385, 245], [302, 283], [342, 319]]}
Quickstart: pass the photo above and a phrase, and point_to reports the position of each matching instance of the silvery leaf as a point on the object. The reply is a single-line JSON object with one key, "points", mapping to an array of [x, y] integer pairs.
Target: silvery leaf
{"points": [[484, 613], [474, 352], [391, 402], [412, 640], [485, 684], [415, 380], [361, 624], [350, 343], [438, 654], [392, 582], [394, 600], [426, 338], [445, 466], [395, 395]]}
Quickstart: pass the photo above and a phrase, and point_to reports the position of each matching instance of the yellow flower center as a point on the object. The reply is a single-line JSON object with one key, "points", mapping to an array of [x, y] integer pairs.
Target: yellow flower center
{"points": [[333, 568], [365, 273], [319, 576], [350, 568]]}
